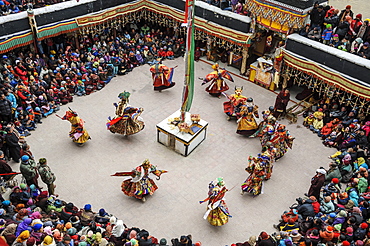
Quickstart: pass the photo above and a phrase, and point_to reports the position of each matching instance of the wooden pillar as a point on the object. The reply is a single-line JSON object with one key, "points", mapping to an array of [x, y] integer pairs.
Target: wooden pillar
{"points": [[230, 60], [245, 55], [33, 25], [209, 48]]}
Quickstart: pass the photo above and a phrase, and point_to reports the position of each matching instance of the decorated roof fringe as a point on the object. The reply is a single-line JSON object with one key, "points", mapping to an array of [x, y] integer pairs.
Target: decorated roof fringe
{"points": [[276, 14], [326, 75], [213, 29], [141, 6], [18, 40], [56, 29]]}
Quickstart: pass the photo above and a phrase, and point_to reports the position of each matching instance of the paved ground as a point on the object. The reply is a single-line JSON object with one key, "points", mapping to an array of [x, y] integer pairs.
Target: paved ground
{"points": [[83, 174]]}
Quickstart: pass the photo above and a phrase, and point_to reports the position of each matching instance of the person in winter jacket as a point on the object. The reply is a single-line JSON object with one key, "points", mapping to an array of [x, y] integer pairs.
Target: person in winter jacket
{"points": [[327, 205], [47, 176], [335, 42], [362, 184], [343, 28], [353, 196], [29, 171], [333, 19], [360, 233], [306, 209], [317, 16], [317, 182], [5, 109], [315, 34], [333, 172], [327, 235], [21, 71], [315, 204], [317, 124], [340, 217], [327, 34], [345, 12], [87, 215], [12, 144], [4, 167]]}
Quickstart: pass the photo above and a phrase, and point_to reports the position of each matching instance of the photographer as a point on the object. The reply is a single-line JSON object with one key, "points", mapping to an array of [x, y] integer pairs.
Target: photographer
{"points": [[305, 208]]}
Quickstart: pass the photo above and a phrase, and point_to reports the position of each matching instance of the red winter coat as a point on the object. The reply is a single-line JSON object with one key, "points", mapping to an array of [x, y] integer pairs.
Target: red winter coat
{"points": [[327, 129], [316, 207], [162, 53], [21, 72]]}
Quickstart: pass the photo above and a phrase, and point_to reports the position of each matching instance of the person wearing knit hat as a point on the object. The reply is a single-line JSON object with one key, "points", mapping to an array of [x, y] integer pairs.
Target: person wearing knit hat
{"points": [[37, 227], [72, 231], [31, 241], [327, 206], [360, 232], [327, 34], [332, 215], [349, 234], [355, 46], [345, 12], [332, 189], [335, 42], [48, 241], [340, 218], [68, 225], [264, 236], [327, 235], [5, 203], [23, 236], [99, 240], [335, 180], [346, 243], [47, 229], [163, 242], [296, 236], [364, 225], [47, 176], [134, 242], [28, 169], [87, 215], [103, 217], [359, 243], [338, 227]]}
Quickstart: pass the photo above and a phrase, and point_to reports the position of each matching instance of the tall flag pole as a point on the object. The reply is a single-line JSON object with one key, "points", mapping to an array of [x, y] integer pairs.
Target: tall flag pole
{"points": [[188, 91]]}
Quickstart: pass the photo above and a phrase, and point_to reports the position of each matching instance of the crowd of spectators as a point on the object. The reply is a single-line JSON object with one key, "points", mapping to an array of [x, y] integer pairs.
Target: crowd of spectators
{"points": [[33, 86], [339, 126], [15, 6], [335, 210], [339, 29], [33, 217], [236, 6], [328, 25]]}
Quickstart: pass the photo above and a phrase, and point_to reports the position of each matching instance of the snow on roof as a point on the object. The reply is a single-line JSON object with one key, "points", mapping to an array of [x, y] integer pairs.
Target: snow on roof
{"points": [[331, 50]]}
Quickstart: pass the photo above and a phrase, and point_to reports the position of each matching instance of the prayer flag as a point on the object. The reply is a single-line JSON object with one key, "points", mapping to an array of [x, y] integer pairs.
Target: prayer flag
{"points": [[188, 92]]}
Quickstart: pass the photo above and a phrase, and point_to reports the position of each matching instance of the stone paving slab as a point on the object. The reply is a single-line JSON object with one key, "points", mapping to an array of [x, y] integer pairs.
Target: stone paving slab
{"points": [[83, 173]]}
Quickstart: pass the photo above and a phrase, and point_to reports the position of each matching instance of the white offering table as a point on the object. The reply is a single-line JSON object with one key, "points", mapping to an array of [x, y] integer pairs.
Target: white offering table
{"points": [[183, 143]]}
